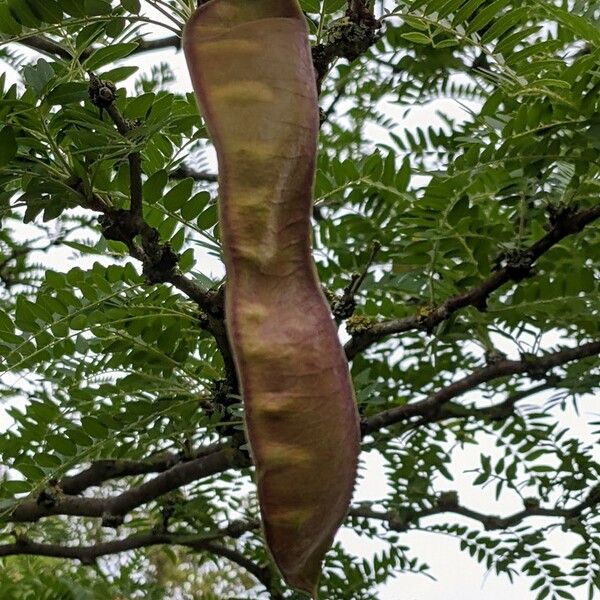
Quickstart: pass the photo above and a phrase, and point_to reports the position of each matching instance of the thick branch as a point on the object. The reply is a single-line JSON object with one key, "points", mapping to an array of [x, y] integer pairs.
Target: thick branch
{"points": [[202, 542], [430, 406], [495, 412], [183, 172], [105, 470], [114, 508], [478, 295], [349, 39], [171, 41], [46, 45], [135, 166], [448, 503]]}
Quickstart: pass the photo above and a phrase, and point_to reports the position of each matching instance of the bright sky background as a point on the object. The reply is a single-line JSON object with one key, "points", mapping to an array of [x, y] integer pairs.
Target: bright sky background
{"points": [[458, 577]]}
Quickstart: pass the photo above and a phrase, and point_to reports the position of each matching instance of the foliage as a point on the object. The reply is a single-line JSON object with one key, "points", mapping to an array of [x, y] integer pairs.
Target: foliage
{"points": [[116, 368]]}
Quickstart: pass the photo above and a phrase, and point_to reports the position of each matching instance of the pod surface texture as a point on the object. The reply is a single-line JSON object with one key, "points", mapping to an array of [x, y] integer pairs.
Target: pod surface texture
{"points": [[252, 73]]}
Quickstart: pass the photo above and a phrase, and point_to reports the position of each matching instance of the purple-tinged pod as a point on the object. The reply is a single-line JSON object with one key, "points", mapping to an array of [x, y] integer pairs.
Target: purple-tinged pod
{"points": [[252, 73]]}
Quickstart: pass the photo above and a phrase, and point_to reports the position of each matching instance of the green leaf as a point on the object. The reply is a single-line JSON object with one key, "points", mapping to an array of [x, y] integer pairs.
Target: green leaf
{"points": [[417, 38], [25, 317], [485, 15], [153, 187], [208, 218], [94, 428], [88, 34], [79, 322], [105, 56], [576, 23], [97, 7], [139, 106], [15, 487], [311, 6], [22, 13], [36, 77], [62, 445], [8, 24], [75, 8], [48, 11], [178, 195], [133, 6], [504, 23], [6, 323], [186, 262], [118, 74], [195, 206], [67, 93], [8, 145]]}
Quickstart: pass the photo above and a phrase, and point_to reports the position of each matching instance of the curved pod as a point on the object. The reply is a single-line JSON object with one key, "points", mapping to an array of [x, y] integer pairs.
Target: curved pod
{"points": [[252, 73]]}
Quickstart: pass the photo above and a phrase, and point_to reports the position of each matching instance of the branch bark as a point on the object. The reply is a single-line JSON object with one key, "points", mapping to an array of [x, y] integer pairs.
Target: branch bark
{"points": [[429, 407], [183, 172], [202, 543], [478, 295], [105, 470], [113, 509], [448, 503]]}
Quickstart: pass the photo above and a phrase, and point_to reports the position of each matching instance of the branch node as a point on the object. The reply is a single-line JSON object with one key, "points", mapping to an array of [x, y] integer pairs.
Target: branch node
{"points": [[343, 307], [531, 503], [491, 523], [517, 264], [48, 497], [359, 324], [533, 367], [102, 93], [448, 500], [112, 521], [117, 225], [160, 262]]}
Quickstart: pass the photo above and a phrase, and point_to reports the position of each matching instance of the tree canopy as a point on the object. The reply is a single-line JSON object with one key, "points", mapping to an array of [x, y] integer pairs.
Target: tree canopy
{"points": [[460, 258]]}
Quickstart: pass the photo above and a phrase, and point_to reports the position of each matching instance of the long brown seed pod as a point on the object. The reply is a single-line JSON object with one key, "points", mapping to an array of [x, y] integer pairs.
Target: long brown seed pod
{"points": [[252, 73]]}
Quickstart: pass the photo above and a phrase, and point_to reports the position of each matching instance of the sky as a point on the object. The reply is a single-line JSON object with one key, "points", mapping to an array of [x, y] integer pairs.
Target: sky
{"points": [[457, 576]]}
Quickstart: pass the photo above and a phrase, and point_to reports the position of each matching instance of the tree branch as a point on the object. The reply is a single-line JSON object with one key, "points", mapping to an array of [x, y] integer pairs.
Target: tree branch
{"points": [[183, 172], [515, 269], [171, 41], [447, 502], [429, 407], [158, 259], [495, 412], [351, 38], [263, 574], [50, 47], [113, 509], [46, 45], [105, 470], [202, 542]]}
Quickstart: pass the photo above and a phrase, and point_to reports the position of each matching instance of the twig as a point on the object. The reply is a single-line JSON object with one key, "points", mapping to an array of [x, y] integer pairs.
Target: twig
{"points": [[344, 307]]}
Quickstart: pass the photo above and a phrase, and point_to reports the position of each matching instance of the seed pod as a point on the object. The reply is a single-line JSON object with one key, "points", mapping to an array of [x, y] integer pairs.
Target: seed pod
{"points": [[252, 73]]}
